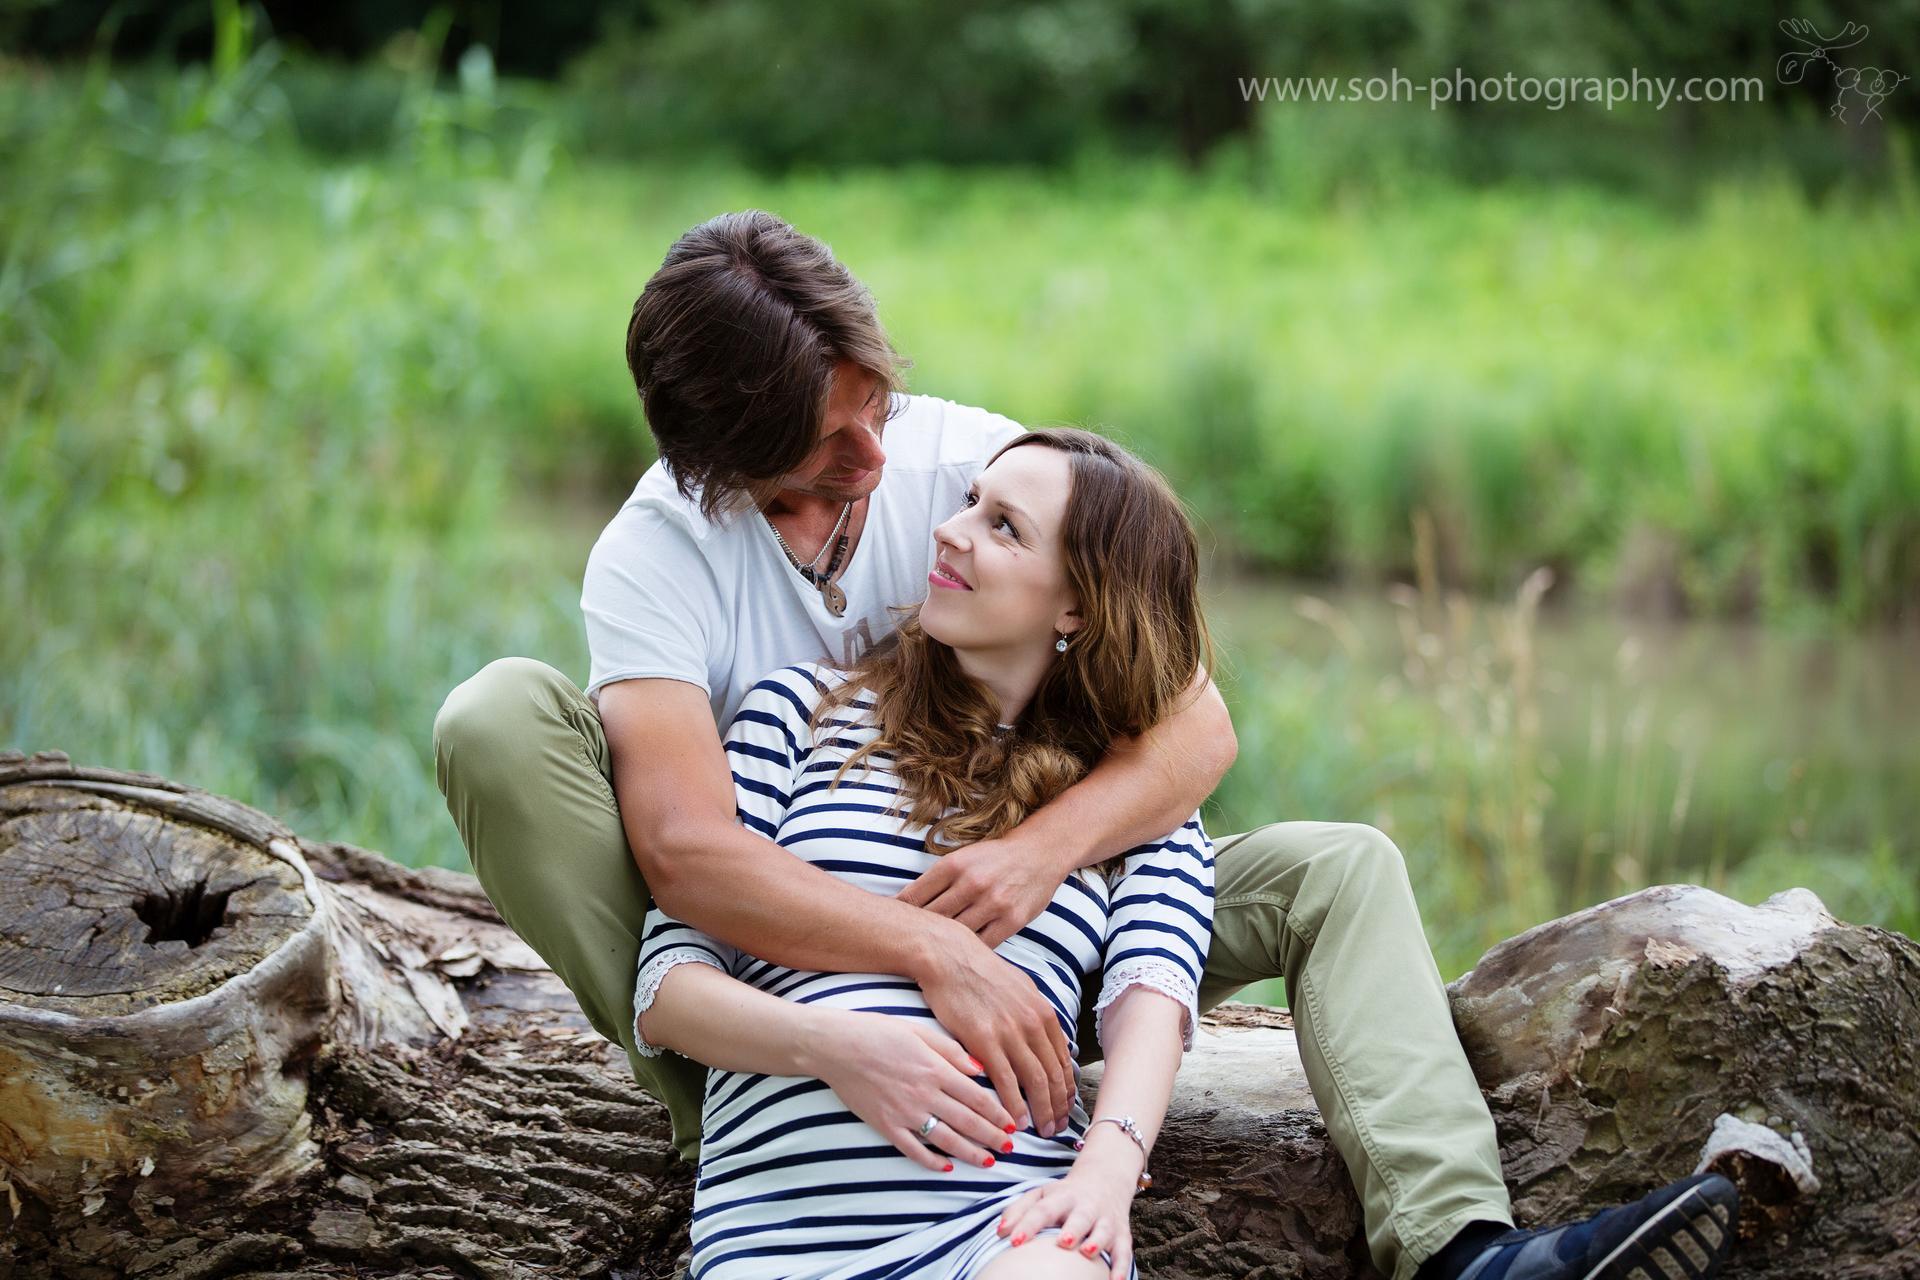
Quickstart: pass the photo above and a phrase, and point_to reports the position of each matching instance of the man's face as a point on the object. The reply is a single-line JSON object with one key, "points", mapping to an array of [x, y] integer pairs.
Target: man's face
{"points": [[846, 463]]}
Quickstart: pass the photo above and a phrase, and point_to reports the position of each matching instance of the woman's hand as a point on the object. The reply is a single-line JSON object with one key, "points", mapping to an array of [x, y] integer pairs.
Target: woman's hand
{"points": [[1090, 1206], [894, 1073]]}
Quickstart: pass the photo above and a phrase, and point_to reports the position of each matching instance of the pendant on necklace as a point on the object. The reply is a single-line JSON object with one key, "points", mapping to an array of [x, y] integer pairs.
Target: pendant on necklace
{"points": [[836, 598]]}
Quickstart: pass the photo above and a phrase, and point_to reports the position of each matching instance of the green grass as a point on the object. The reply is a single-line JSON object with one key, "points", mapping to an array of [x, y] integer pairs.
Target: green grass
{"points": [[1530, 763], [290, 444]]}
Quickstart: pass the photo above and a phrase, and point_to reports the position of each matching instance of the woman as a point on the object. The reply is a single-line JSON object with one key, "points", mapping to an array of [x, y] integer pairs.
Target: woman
{"points": [[845, 1134]]}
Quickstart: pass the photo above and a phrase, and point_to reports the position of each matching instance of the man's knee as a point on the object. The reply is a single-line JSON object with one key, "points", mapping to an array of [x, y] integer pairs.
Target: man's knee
{"points": [[1369, 851], [489, 713], [1272, 860]]}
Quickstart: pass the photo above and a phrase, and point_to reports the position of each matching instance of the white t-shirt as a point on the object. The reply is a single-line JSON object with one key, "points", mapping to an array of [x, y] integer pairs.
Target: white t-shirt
{"points": [[669, 594]]}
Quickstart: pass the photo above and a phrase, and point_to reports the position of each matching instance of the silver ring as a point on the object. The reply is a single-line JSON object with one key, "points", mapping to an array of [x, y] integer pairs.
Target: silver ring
{"points": [[927, 1127]]}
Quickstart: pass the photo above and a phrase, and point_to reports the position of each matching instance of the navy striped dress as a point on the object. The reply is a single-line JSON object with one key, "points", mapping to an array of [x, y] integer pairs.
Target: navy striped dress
{"points": [[794, 1186]]}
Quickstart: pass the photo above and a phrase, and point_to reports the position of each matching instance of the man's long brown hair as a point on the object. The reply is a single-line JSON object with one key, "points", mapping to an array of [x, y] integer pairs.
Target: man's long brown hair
{"points": [[732, 346], [1134, 565]]}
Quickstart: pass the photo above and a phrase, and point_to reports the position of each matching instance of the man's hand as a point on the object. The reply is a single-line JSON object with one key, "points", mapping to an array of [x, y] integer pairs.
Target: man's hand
{"points": [[999, 1015], [996, 887]]}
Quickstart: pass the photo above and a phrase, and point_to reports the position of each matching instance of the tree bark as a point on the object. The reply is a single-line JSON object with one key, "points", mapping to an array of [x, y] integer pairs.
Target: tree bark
{"points": [[227, 1051]]}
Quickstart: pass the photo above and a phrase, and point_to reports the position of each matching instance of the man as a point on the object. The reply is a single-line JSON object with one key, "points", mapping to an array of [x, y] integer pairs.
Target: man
{"points": [[777, 529]]}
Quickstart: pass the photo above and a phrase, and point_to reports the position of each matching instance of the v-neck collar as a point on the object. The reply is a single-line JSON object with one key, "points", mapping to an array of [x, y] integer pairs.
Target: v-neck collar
{"points": [[810, 594]]}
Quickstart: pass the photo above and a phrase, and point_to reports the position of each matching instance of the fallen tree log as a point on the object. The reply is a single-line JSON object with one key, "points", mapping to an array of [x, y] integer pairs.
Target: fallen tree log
{"points": [[227, 1051]]}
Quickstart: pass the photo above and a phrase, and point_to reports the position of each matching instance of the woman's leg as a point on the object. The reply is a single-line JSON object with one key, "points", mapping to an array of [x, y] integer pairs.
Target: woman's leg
{"points": [[1328, 907], [522, 760], [1042, 1258]]}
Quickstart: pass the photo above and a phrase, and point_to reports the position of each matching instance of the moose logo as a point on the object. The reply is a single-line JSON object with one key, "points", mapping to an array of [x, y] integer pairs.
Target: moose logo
{"points": [[1857, 91]]}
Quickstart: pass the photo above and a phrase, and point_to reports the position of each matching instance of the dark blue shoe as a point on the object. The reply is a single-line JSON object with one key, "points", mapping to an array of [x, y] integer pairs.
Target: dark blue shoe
{"points": [[1680, 1232]]}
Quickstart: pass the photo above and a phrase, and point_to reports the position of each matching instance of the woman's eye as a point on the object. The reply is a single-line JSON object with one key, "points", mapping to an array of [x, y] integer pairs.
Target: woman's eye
{"points": [[1002, 523]]}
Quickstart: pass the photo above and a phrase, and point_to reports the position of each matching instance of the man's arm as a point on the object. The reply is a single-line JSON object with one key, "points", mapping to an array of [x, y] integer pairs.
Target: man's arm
{"points": [[1144, 787], [674, 787]]}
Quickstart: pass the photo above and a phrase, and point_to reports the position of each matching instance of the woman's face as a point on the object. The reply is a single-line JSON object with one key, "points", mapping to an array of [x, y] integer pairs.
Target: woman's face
{"points": [[999, 581]]}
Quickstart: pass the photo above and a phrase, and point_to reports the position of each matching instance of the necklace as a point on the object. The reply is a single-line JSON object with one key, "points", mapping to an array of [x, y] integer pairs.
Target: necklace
{"points": [[822, 579]]}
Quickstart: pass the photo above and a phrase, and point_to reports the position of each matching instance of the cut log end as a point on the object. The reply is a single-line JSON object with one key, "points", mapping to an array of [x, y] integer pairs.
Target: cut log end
{"points": [[165, 973], [107, 908]]}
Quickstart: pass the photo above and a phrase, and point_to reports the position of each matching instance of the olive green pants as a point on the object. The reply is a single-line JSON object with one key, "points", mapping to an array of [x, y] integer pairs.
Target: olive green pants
{"points": [[523, 762]]}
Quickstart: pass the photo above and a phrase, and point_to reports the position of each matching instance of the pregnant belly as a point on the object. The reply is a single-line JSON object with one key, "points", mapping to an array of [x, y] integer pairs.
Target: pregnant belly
{"points": [[784, 1146]]}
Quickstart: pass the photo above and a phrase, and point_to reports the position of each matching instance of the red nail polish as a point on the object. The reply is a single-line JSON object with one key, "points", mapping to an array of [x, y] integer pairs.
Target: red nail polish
{"points": [[1019, 1239], [948, 1168], [1066, 1242], [988, 1163], [974, 1065], [1089, 1250], [1008, 1148], [1013, 1129]]}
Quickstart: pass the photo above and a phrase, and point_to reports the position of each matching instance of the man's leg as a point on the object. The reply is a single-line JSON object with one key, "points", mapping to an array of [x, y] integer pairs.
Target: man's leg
{"points": [[522, 760], [1328, 907]]}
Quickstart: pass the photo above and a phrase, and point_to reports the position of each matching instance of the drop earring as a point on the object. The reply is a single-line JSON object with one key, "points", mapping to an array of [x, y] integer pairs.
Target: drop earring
{"points": [[1060, 645]]}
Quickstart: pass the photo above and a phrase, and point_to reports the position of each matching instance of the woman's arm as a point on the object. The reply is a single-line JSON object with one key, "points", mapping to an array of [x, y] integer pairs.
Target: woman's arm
{"points": [[1143, 1049], [889, 1071], [717, 1020], [1159, 929], [1091, 1205]]}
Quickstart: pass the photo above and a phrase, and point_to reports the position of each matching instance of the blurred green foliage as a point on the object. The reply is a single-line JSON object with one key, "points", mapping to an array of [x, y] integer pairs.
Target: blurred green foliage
{"points": [[1530, 763], [311, 402], [1021, 81]]}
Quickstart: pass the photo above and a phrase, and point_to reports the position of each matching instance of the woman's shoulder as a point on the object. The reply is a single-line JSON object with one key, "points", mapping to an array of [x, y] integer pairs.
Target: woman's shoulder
{"points": [[1188, 844], [793, 692]]}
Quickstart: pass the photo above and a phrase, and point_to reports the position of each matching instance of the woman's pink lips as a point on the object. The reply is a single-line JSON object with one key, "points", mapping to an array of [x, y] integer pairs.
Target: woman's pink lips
{"points": [[940, 579]]}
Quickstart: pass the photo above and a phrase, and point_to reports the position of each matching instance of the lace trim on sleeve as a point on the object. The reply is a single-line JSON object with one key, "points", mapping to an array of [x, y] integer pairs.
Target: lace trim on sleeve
{"points": [[1159, 975], [652, 973]]}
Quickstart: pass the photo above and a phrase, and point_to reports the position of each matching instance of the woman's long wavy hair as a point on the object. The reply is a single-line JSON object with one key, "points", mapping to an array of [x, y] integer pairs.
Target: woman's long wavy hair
{"points": [[1134, 565]]}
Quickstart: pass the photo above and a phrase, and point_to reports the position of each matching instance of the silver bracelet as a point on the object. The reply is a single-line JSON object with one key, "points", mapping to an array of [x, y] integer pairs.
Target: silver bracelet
{"points": [[1126, 1125]]}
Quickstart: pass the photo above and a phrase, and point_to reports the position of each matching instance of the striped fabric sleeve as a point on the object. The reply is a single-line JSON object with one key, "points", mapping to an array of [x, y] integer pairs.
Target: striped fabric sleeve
{"points": [[1160, 925], [764, 745]]}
